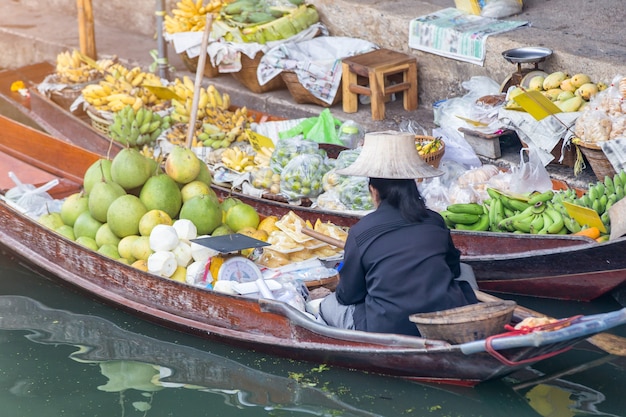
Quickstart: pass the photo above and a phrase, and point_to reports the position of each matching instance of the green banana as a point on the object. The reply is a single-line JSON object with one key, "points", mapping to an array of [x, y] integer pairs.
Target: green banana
{"points": [[521, 226], [609, 184], [536, 224], [540, 197], [443, 214], [572, 225], [481, 225], [469, 208], [463, 218], [524, 217], [547, 223], [617, 182], [556, 218]]}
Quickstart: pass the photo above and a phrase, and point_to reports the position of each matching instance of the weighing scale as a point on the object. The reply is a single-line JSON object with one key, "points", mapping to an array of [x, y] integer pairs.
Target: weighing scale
{"points": [[235, 267], [528, 55]]}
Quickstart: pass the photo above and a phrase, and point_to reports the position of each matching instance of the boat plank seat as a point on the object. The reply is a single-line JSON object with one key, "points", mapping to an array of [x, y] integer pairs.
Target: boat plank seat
{"points": [[370, 73]]}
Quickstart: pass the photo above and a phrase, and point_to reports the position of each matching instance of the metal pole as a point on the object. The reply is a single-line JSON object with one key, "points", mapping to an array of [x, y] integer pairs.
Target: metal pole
{"points": [[162, 63]]}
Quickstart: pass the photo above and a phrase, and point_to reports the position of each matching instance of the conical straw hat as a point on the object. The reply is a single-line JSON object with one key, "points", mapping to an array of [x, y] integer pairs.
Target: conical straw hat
{"points": [[390, 155]]}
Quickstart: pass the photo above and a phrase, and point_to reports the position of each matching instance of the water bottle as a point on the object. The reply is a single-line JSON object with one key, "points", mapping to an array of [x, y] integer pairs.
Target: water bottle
{"points": [[350, 134]]}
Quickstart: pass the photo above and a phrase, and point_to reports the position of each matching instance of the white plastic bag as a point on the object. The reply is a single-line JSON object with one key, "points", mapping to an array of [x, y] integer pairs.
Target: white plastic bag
{"points": [[531, 175]]}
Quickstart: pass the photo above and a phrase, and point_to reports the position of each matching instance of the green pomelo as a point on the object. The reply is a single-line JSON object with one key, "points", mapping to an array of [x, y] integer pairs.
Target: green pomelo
{"points": [[222, 230], [229, 202], [67, 231], [130, 168], [104, 236], [101, 196], [194, 189], [204, 175], [97, 172], [203, 212], [241, 216], [86, 225], [182, 165], [162, 193], [88, 242], [151, 219], [124, 214], [109, 250], [51, 220], [72, 207]]}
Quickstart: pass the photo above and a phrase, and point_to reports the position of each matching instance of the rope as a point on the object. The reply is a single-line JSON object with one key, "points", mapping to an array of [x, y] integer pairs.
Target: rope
{"points": [[526, 330]]}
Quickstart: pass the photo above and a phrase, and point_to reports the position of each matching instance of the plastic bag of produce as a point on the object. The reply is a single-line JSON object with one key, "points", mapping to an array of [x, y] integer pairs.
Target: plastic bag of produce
{"points": [[302, 177], [531, 175], [355, 195], [287, 149], [322, 129]]}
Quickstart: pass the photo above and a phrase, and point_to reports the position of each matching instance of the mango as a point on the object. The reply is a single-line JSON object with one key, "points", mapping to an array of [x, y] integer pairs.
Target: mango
{"points": [[552, 93], [536, 83], [570, 105], [586, 91], [554, 80], [566, 85], [565, 95], [580, 79]]}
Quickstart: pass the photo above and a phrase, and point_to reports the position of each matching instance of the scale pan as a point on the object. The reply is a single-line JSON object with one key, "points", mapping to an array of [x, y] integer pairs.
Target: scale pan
{"points": [[528, 54], [230, 243]]}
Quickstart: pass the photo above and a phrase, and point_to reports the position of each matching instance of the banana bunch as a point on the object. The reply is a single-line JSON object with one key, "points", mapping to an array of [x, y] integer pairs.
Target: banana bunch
{"points": [[137, 128], [210, 100], [74, 68], [190, 16], [121, 87], [466, 216], [234, 124], [425, 148], [263, 156], [237, 160], [600, 196]]}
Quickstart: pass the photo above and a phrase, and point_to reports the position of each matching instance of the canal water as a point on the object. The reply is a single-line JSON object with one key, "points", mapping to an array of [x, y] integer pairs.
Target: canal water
{"points": [[65, 354]]}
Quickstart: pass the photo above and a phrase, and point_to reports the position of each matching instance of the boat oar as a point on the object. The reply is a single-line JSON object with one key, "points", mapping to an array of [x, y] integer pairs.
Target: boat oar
{"points": [[612, 344], [198, 83]]}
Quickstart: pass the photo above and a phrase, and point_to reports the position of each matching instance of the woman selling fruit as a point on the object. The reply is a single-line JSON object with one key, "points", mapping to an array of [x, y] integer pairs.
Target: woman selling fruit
{"points": [[399, 259]]}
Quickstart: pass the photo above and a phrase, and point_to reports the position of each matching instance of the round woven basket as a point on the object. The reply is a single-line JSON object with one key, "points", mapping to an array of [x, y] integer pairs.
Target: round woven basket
{"points": [[433, 158], [192, 65], [303, 96], [465, 324], [597, 159], [248, 77], [98, 122]]}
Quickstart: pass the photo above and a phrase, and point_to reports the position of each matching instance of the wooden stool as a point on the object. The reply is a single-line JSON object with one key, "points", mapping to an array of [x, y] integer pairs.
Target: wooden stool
{"points": [[367, 73]]}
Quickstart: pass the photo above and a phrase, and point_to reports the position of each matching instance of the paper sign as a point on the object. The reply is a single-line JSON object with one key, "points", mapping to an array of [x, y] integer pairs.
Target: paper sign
{"points": [[584, 216], [259, 141], [536, 104]]}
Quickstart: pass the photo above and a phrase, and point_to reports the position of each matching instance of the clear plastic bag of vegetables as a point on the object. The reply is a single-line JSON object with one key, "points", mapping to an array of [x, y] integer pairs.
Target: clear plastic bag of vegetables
{"points": [[287, 149], [355, 195], [302, 176]]}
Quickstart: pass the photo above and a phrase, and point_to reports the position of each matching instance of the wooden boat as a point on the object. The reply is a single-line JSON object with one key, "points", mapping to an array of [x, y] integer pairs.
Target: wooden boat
{"points": [[552, 266], [263, 325]]}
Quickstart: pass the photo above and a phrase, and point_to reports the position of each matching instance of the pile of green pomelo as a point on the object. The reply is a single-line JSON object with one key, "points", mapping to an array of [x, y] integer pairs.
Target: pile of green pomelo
{"points": [[124, 200]]}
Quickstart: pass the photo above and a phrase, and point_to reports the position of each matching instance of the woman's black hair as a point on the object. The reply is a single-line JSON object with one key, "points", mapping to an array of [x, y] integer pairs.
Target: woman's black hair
{"points": [[403, 195]]}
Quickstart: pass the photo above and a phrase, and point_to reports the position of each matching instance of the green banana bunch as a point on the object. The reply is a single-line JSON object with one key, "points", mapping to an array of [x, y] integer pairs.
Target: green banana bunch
{"points": [[137, 128], [466, 216]]}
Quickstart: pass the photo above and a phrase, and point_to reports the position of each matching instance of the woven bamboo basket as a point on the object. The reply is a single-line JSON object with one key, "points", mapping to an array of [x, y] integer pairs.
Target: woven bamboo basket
{"points": [[433, 158], [247, 76], [98, 122], [465, 324], [303, 96], [192, 65], [597, 159]]}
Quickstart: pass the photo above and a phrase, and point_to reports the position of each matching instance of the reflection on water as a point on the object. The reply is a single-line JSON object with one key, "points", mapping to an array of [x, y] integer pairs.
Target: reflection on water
{"points": [[64, 354]]}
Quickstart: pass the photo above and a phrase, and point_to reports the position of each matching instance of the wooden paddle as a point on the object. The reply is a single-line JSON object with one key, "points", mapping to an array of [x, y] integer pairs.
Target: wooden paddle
{"points": [[198, 83], [612, 344]]}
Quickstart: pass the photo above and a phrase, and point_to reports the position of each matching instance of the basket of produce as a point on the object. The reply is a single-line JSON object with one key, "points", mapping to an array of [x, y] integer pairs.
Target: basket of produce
{"points": [[431, 149], [301, 95], [465, 324], [594, 154], [247, 75]]}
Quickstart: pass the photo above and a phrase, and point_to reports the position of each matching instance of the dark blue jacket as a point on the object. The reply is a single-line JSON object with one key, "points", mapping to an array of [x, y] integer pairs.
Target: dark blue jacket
{"points": [[393, 269]]}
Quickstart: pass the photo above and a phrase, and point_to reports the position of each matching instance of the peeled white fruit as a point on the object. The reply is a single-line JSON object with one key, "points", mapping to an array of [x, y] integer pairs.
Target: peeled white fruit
{"points": [[162, 263], [185, 229], [195, 273], [202, 253], [182, 253], [163, 238]]}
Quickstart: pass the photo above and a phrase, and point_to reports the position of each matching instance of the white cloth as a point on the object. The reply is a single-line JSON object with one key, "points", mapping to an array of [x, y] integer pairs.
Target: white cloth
{"points": [[316, 62]]}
